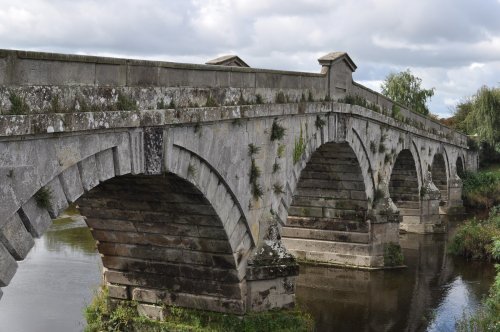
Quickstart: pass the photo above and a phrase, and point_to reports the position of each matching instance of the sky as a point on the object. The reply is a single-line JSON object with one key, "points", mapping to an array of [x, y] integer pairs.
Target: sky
{"points": [[453, 45]]}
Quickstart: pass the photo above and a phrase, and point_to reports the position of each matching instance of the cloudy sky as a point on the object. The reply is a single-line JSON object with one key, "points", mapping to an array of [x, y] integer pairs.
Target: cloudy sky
{"points": [[453, 45]]}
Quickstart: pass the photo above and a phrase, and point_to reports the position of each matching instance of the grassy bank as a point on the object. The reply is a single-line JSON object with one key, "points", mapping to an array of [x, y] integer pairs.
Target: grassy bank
{"points": [[482, 189], [123, 316], [481, 240]]}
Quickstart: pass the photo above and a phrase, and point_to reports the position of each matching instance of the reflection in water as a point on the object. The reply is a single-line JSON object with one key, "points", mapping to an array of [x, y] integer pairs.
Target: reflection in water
{"points": [[57, 279], [428, 295], [54, 283]]}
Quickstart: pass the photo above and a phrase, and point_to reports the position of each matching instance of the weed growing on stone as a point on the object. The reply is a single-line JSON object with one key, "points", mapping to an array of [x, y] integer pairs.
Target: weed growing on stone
{"points": [[276, 167], [254, 175], [373, 147], [278, 189], [211, 102], [280, 98], [124, 103], [259, 99], [281, 150], [43, 198], [17, 104], [55, 105], [310, 97], [277, 131], [161, 105], [387, 158], [299, 147], [393, 256], [237, 122], [381, 148], [253, 149], [191, 171], [319, 123], [171, 105], [395, 111]]}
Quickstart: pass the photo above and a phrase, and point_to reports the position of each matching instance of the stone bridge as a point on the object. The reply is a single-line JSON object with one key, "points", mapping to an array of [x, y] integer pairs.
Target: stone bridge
{"points": [[198, 181]]}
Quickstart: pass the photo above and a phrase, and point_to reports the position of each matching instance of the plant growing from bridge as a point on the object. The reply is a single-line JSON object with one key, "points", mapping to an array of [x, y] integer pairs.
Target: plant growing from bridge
{"points": [[55, 105], [310, 97], [211, 102], [281, 150], [277, 131], [373, 147], [405, 88], [319, 123], [393, 256], [259, 99], [280, 98], [191, 171], [43, 198], [278, 188], [17, 104], [253, 149], [254, 175], [276, 167], [124, 103], [299, 147]]}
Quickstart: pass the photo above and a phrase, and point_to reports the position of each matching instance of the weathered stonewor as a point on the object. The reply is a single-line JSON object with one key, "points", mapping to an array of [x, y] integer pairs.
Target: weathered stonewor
{"points": [[157, 155]]}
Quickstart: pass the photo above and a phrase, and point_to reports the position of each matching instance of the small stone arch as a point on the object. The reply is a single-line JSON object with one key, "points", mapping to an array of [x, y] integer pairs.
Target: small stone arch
{"points": [[404, 186], [460, 166], [440, 176]]}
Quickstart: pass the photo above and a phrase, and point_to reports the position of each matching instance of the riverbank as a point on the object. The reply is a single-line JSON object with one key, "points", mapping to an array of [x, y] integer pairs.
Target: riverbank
{"points": [[102, 315], [480, 240], [482, 189]]}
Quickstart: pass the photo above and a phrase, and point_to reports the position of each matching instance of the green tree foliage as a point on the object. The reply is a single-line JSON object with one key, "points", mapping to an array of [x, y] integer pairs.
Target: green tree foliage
{"points": [[483, 117], [405, 88]]}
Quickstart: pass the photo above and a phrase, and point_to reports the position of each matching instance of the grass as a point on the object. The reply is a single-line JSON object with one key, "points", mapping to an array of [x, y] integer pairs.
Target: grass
{"points": [[124, 317], [481, 240], [482, 189], [319, 123], [253, 149], [299, 147], [280, 98], [124, 103], [17, 104], [211, 102]]}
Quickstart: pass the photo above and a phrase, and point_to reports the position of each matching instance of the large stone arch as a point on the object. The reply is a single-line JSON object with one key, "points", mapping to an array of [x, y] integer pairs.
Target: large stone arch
{"points": [[216, 242], [404, 187]]}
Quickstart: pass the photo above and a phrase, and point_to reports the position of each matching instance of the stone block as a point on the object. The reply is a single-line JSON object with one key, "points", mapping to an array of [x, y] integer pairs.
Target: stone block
{"points": [[8, 266], [16, 238], [37, 72], [118, 291], [71, 183], [151, 311], [58, 201], [110, 75], [35, 218], [105, 165], [88, 172], [142, 75]]}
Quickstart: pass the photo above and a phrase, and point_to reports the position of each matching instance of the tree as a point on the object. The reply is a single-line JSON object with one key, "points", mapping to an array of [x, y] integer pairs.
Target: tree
{"points": [[405, 88], [483, 118]]}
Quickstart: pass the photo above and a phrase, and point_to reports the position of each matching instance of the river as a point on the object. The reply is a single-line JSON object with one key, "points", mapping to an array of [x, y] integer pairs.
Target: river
{"points": [[61, 273]]}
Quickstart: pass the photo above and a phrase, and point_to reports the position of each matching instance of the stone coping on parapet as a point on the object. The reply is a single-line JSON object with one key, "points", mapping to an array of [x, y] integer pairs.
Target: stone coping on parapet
{"points": [[50, 123], [136, 62]]}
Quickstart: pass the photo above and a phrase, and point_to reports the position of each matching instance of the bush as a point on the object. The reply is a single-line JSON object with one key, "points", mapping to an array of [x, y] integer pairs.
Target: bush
{"points": [[481, 189]]}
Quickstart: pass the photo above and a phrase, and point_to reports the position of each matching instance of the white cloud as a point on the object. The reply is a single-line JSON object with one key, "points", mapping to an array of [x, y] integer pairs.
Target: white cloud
{"points": [[453, 45]]}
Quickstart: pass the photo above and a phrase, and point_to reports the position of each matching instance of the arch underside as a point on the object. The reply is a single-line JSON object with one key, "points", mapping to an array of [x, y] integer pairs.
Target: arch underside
{"points": [[161, 241], [439, 177], [460, 167], [327, 217], [403, 187]]}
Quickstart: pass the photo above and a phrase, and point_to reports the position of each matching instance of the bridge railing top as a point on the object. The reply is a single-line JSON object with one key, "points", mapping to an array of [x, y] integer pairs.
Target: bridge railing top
{"points": [[50, 83]]}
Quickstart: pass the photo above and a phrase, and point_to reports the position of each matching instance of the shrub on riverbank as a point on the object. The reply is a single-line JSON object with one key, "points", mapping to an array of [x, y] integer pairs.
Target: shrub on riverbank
{"points": [[481, 240], [482, 189], [123, 316], [475, 239], [487, 318]]}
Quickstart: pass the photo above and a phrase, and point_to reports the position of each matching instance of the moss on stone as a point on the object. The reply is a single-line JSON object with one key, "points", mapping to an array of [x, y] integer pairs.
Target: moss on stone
{"points": [[123, 316]]}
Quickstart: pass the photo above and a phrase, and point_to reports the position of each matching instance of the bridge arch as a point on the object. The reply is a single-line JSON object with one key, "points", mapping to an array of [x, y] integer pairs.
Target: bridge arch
{"points": [[460, 166], [404, 186], [177, 237], [439, 172]]}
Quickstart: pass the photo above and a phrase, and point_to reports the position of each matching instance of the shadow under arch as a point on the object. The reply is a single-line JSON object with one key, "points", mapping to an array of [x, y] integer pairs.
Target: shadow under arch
{"points": [[460, 167], [327, 217], [440, 177], [403, 187]]}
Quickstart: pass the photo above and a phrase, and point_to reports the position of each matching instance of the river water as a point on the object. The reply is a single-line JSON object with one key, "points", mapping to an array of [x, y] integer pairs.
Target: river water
{"points": [[61, 273]]}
